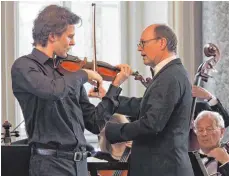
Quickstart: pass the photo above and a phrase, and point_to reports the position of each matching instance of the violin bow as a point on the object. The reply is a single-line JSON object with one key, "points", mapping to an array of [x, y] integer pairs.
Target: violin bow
{"points": [[96, 89]]}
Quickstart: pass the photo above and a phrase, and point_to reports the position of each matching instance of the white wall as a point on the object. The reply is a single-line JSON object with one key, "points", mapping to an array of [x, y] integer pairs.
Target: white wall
{"points": [[155, 12]]}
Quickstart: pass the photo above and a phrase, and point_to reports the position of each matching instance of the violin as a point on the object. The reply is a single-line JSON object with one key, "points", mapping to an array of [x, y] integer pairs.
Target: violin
{"points": [[106, 70]]}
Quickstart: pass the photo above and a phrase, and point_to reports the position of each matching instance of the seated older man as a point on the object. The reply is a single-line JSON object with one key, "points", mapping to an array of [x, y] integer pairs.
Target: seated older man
{"points": [[209, 127]]}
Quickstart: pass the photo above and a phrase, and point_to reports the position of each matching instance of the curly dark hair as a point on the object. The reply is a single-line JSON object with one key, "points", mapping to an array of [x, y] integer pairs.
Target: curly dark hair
{"points": [[163, 31], [52, 19]]}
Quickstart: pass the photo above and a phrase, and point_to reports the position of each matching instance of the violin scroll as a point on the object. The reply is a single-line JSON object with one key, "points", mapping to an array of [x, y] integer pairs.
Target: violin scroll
{"points": [[7, 135]]}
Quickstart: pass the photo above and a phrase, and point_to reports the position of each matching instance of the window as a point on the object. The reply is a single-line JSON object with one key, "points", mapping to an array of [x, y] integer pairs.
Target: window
{"points": [[27, 12], [107, 38]]}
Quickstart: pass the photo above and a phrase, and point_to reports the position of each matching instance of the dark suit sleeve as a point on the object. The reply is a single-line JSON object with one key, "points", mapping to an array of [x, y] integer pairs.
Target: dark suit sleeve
{"points": [[129, 106], [96, 117], [220, 109], [224, 170], [160, 104]]}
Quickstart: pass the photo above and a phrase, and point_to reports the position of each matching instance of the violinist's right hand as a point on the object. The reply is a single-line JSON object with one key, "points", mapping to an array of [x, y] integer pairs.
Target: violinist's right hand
{"points": [[93, 76], [100, 94], [123, 75]]}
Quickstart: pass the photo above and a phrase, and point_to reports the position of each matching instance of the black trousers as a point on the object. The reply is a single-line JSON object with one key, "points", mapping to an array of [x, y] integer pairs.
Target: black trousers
{"points": [[41, 165]]}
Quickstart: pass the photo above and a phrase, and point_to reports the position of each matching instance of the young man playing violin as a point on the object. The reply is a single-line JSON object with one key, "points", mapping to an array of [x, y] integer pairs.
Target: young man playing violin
{"points": [[54, 102], [161, 118]]}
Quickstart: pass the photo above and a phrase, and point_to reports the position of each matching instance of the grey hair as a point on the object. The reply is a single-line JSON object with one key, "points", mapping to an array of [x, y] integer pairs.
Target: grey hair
{"points": [[214, 115], [163, 31]]}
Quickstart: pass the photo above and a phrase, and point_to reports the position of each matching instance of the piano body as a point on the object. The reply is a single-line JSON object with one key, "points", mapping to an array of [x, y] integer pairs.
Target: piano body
{"points": [[15, 161]]}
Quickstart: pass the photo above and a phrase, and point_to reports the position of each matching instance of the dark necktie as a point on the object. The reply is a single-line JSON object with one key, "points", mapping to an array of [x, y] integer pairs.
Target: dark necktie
{"points": [[152, 72]]}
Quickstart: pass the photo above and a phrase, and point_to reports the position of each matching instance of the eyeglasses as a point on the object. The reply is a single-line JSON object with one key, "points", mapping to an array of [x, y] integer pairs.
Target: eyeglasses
{"points": [[208, 131], [143, 42]]}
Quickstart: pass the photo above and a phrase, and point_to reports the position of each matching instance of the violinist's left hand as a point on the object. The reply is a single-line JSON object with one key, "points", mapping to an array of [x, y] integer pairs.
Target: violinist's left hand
{"points": [[123, 75], [220, 154], [102, 92]]}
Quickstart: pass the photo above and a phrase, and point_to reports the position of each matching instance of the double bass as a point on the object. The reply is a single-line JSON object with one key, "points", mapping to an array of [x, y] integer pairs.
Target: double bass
{"points": [[203, 74]]}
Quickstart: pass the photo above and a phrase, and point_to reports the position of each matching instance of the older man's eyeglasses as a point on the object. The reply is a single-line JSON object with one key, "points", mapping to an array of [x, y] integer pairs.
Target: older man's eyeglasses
{"points": [[143, 42], [201, 131]]}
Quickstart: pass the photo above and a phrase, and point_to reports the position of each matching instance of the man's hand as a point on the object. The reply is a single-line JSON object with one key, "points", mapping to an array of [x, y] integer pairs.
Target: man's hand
{"points": [[93, 76], [102, 92], [129, 144], [122, 75], [200, 92], [220, 154]]}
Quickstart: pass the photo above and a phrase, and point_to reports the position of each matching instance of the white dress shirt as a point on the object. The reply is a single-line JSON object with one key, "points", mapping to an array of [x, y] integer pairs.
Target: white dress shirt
{"points": [[161, 64]]}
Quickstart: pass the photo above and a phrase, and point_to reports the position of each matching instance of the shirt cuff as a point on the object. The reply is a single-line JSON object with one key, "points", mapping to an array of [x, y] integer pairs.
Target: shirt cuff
{"points": [[113, 91], [224, 164], [213, 101]]}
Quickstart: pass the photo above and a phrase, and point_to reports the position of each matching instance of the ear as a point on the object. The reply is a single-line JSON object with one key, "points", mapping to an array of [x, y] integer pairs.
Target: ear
{"points": [[222, 130], [52, 37], [163, 43]]}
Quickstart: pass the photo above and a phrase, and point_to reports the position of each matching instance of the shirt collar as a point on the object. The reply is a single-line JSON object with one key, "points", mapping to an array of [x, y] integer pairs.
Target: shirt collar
{"points": [[41, 57], [160, 65], [201, 152]]}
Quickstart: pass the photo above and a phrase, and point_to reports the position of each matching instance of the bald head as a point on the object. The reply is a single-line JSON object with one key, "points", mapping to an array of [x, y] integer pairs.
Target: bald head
{"points": [[162, 31], [150, 28]]}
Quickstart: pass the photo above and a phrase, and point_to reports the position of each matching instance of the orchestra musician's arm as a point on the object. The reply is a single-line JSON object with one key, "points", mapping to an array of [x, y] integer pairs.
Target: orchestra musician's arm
{"points": [[213, 102], [221, 155]]}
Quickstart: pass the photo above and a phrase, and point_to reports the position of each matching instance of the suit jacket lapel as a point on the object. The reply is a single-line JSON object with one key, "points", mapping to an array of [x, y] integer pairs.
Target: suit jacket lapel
{"points": [[175, 61]]}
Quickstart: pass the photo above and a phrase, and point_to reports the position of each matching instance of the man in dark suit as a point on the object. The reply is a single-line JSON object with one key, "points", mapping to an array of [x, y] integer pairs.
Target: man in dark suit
{"points": [[209, 127], [162, 116]]}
